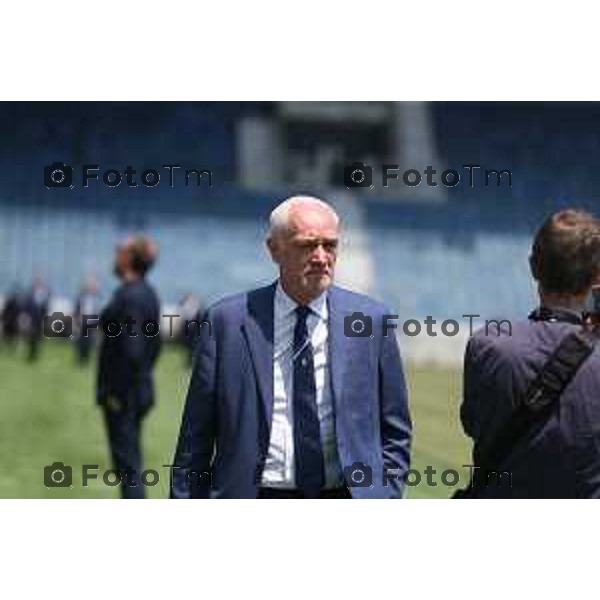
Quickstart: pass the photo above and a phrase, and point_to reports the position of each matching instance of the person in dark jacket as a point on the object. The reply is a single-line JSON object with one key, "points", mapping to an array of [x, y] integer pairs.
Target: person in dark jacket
{"points": [[560, 458], [128, 353], [11, 313], [36, 308]]}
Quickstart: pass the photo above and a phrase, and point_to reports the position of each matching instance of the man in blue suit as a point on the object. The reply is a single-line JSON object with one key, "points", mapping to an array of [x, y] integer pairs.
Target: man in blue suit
{"points": [[294, 395], [560, 457]]}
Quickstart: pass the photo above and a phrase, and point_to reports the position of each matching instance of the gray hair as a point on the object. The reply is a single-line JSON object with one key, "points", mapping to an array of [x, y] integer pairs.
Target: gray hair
{"points": [[280, 216]]}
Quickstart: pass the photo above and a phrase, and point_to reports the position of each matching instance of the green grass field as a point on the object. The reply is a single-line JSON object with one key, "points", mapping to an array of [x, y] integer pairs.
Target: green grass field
{"points": [[49, 414]]}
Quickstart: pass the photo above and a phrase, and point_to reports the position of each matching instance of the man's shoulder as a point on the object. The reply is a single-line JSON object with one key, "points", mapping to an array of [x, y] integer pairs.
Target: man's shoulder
{"points": [[349, 300], [237, 304], [344, 299], [516, 341], [141, 288], [503, 340], [229, 302]]}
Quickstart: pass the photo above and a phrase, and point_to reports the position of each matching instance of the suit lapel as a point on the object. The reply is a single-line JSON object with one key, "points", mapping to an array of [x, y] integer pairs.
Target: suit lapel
{"points": [[258, 329], [338, 346]]}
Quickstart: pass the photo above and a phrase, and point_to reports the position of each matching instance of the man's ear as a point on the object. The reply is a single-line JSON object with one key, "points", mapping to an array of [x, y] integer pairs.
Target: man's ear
{"points": [[533, 267], [273, 247]]}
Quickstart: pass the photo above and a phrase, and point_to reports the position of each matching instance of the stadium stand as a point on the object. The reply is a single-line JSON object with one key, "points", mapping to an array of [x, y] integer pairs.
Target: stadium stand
{"points": [[465, 255]]}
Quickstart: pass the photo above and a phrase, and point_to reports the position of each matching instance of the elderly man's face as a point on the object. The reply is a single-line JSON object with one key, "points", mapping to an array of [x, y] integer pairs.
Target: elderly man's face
{"points": [[306, 252]]}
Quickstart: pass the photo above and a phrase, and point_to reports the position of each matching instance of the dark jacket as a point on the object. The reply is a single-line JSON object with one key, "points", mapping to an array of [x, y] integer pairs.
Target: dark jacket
{"points": [[126, 361], [562, 460]]}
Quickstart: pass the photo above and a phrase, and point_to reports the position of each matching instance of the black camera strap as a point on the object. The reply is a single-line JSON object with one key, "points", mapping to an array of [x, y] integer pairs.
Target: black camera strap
{"points": [[538, 404]]}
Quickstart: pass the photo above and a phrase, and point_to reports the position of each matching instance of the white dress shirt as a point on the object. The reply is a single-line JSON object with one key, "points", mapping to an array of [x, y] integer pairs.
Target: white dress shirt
{"points": [[279, 468]]}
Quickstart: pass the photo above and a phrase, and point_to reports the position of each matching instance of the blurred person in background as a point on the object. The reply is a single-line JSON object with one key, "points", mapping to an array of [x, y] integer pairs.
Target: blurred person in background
{"points": [[11, 312], [125, 388], [191, 311], [36, 308], [532, 410], [86, 304]]}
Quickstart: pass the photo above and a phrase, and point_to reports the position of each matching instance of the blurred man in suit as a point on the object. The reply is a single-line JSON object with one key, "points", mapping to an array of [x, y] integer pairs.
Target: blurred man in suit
{"points": [[36, 308], [86, 304], [125, 387], [11, 313], [284, 400], [560, 456], [191, 312]]}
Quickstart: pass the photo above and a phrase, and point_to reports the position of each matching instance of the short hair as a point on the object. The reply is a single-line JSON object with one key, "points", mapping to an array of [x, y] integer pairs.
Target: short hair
{"points": [[280, 215], [143, 253], [565, 255]]}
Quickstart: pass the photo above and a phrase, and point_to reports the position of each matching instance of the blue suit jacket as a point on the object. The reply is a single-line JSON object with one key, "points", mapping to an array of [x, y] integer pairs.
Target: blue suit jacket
{"points": [[562, 460], [227, 418]]}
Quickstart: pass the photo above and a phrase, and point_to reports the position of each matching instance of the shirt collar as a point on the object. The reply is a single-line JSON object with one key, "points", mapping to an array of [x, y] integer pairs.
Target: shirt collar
{"points": [[286, 305], [566, 315]]}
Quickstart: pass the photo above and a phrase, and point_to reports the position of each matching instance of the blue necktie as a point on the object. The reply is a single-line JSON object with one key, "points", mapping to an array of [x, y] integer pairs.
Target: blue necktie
{"points": [[308, 451]]}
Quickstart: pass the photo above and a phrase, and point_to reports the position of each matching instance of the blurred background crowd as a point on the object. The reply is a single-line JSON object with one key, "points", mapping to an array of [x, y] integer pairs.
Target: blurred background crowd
{"points": [[441, 251]]}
